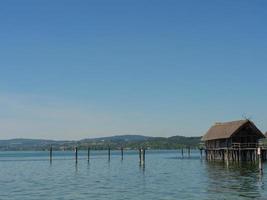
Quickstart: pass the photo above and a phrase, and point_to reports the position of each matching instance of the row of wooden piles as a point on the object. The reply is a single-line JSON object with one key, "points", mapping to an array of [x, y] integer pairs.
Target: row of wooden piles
{"points": [[236, 155], [142, 152]]}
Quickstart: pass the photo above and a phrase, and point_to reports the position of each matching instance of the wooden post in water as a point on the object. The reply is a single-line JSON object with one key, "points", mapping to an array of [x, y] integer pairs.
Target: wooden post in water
{"points": [[76, 154], [88, 154], [182, 152], [121, 153], [142, 154], [255, 155], [109, 153], [140, 157], [227, 156], [239, 155], [189, 151], [260, 159], [200, 153], [50, 153]]}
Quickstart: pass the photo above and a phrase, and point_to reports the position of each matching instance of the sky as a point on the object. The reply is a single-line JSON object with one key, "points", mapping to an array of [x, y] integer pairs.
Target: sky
{"points": [[93, 68]]}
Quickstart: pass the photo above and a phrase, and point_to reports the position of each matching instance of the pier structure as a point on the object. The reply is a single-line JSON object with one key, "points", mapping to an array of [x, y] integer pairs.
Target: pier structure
{"points": [[234, 141]]}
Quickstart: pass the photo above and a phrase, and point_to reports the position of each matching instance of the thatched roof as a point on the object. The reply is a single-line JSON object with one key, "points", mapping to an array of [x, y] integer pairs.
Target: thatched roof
{"points": [[227, 129]]}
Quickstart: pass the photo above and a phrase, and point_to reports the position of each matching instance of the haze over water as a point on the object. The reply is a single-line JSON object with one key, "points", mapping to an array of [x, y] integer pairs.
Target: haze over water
{"points": [[30, 175]]}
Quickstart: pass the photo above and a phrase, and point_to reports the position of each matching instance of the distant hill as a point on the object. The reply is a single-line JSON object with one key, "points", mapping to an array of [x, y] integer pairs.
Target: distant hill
{"points": [[114, 142], [28, 144], [120, 138]]}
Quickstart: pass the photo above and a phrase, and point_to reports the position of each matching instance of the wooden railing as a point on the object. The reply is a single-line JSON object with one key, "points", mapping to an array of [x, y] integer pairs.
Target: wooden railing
{"points": [[244, 145], [239, 146], [263, 145]]}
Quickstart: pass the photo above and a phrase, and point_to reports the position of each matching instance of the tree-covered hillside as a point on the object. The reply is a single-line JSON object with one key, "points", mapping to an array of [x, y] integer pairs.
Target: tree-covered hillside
{"points": [[114, 142]]}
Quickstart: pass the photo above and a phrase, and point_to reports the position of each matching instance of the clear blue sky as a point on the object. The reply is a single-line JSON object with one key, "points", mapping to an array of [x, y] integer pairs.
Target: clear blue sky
{"points": [[77, 69]]}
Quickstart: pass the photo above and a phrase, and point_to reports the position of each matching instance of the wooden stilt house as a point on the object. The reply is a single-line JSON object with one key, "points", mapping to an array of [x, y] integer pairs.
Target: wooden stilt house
{"points": [[236, 140]]}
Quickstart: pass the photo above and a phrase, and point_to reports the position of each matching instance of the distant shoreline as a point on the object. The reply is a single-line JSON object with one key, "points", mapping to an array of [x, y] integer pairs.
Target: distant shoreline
{"points": [[103, 143]]}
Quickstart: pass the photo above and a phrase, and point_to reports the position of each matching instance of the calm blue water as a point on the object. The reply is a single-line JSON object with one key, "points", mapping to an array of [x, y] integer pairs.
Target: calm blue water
{"points": [[30, 176]]}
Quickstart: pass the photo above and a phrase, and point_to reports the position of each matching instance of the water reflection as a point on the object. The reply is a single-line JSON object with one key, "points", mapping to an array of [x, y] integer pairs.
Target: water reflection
{"points": [[242, 180], [76, 167], [88, 165], [142, 167]]}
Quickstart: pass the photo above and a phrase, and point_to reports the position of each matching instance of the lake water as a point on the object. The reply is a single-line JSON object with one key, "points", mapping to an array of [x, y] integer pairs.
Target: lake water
{"points": [[30, 176]]}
